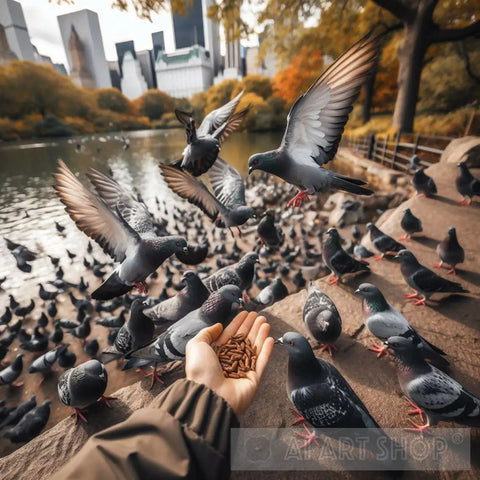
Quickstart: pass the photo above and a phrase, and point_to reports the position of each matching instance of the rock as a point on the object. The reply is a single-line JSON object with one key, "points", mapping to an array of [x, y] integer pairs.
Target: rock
{"points": [[458, 148]]}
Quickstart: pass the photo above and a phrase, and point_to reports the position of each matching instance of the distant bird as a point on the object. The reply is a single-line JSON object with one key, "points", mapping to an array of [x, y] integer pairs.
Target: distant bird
{"points": [[9, 374], [269, 233], [45, 362], [423, 184], [271, 294], [52, 309], [196, 254], [121, 225], [322, 318], [67, 359], [46, 295], [359, 251], [384, 243], [91, 347], [6, 317], [298, 280], [43, 321], [203, 143], [82, 386], [240, 274], [38, 342], [31, 424], [18, 413], [83, 330], [414, 162], [315, 125], [57, 334], [12, 302], [24, 311], [410, 225], [112, 322], [356, 233], [434, 393], [227, 206], [450, 251], [467, 185], [220, 307], [425, 282], [338, 260], [384, 321]]}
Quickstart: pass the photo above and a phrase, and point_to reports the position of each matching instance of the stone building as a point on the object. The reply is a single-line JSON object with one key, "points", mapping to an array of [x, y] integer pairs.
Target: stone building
{"points": [[79, 71]]}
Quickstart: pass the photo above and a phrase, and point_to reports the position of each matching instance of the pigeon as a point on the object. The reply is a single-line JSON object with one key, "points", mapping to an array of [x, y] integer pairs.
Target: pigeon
{"points": [[46, 295], [136, 333], [414, 162], [6, 317], [60, 228], [45, 362], [203, 143], [12, 302], [410, 224], [338, 260], [83, 330], [384, 243], [42, 321], [322, 318], [220, 307], [38, 342], [432, 391], [173, 309], [467, 185], [315, 125], [9, 374], [82, 386], [384, 321], [24, 311], [31, 424], [121, 225], [298, 280], [359, 251], [423, 184], [196, 254], [227, 207], [240, 274], [425, 282], [450, 251], [17, 414], [52, 309], [268, 232], [57, 334], [91, 347], [112, 322], [271, 294], [67, 359]]}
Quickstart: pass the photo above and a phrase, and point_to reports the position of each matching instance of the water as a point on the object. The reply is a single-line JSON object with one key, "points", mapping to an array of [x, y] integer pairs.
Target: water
{"points": [[26, 186]]}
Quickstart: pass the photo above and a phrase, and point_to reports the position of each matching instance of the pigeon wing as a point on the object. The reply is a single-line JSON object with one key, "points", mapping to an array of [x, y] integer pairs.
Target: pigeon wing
{"points": [[227, 184], [316, 120], [92, 216], [428, 281], [230, 125]]}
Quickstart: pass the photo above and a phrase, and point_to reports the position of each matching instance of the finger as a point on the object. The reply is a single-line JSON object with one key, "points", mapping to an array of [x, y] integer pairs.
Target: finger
{"points": [[252, 335], [262, 335], [232, 328], [248, 324], [209, 334], [264, 357]]}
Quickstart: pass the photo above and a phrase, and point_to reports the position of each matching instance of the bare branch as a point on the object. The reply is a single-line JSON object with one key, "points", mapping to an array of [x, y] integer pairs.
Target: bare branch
{"points": [[455, 34], [397, 8]]}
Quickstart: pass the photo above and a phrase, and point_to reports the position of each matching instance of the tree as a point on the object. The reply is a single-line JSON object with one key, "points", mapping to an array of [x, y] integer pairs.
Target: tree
{"points": [[153, 104], [258, 84], [113, 99]]}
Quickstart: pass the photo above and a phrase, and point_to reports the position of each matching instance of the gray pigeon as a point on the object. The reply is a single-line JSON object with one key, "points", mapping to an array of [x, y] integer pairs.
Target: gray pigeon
{"points": [[220, 307], [410, 225], [315, 125], [240, 274], [185, 301], [338, 260], [203, 143], [424, 281], [121, 225], [227, 207], [9, 374], [17, 414], [384, 243], [359, 251], [322, 318], [423, 184], [45, 362], [272, 293], [135, 333], [82, 386], [435, 393], [269, 233], [450, 251], [384, 321], [467, 185], [31, 424]]}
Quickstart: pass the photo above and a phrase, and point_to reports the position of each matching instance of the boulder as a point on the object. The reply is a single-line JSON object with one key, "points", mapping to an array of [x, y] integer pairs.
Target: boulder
{"points": [[459, 148]]}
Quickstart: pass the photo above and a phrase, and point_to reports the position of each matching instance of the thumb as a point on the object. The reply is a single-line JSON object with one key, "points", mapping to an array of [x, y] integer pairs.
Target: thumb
{"points": [[209, 334]]}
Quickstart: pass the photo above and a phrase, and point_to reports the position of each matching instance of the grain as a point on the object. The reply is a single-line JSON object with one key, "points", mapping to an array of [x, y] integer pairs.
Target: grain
{"points": [[237, 357]]}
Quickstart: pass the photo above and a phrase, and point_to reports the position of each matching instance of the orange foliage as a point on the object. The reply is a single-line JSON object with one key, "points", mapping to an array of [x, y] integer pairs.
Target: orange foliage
{"points": [[288, 84]]}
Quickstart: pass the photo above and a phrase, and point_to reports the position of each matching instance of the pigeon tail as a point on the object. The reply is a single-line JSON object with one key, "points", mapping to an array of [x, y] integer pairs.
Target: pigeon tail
{"points": [[135, 363], [347, 184], [110, 354], [112, 287]]}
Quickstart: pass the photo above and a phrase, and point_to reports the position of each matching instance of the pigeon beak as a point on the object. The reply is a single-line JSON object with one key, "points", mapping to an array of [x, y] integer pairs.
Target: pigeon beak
{"points": [[396, 257], [185, 249], [357, 292], [250, 170], [278, 341]]}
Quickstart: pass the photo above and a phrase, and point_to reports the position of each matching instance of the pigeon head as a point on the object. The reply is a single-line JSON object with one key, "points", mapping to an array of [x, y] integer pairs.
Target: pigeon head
{"points": [[180, 245], [370, 226], [462, 165], [373, 299], [296, 344], [333, 233], [241, 214], [367, 290], [96, 369], [404, 256], [263, 161], [222, 304], [414, 162], [407, 347], [407, 210], [250, 259], [452, 232]]}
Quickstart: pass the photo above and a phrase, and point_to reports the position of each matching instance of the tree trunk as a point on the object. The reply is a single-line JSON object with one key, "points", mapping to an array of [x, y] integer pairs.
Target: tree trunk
{"points": [[368, 100]]}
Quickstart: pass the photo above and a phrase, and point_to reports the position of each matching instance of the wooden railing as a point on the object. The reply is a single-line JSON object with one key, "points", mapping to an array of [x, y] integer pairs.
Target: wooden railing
{"points": [[395, 151]]}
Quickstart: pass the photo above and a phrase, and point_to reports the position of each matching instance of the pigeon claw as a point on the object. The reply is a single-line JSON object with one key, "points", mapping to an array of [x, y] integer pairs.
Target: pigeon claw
{"points": [[156, 375], [142, 287], [452, 271], [412, 295], [333, 280], [416, 410], [379, 349], [330, 348], [300, 416], [105, 399], [419, 428], [419, 302], [79, 414], [439, 265], [379, 257], [298, 199], [309, 437]]}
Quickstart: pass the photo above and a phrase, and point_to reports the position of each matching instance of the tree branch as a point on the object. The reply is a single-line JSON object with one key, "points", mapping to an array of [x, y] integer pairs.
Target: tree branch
{"points": [[397, 8], [455, 34]]}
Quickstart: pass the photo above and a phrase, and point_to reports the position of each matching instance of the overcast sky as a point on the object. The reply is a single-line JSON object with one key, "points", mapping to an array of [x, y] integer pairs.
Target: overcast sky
{"points": [[116, 26]]}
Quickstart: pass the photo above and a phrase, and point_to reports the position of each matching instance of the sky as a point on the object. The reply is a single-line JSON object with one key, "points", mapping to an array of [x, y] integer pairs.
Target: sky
{"points": [[116, 26]]}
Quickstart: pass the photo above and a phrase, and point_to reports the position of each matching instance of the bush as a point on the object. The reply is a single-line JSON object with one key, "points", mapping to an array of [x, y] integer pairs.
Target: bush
{"points": [[258, 84], [153, 104], [198, 102], [52, 126], [112, 99]]}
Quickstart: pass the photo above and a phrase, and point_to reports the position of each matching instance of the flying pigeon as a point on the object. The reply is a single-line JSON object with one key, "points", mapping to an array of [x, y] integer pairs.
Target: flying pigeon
{"points": [[338, 260], [82, 386], [424, 281], [220, 307], [322, 318], [31, 424], [467, 185], [435, 393], [423, 184], [315, 125], [384, 321], [121, 225], [203, 143], [272, 293], [384, 243], [9, 374], [410, 224], [450, 251], [227, 206], [269, 233]]}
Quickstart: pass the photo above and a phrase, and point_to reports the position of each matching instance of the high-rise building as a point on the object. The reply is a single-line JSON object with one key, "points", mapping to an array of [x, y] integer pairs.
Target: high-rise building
{"points": [[122, 48], [87, 29], [145, 58], [15, 28], [114, 70], [79, 71], [133, 83], [6, 55], [158, 42]]}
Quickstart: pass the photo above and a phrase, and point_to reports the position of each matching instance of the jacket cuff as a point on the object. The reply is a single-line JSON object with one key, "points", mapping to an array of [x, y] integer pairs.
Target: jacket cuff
{"points": [[201, 410]]}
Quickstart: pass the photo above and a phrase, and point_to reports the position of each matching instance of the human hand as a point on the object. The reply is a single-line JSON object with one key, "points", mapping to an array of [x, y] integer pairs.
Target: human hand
{"points": [[202, 364]]}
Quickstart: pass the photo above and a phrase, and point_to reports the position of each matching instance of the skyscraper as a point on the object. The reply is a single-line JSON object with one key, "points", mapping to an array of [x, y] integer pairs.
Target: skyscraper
{"points": [[122, 48], [79, 71], [158, 42], [87, 28]]}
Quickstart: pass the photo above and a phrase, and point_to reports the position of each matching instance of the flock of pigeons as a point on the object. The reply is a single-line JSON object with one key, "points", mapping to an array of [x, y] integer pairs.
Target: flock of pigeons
{"points": [[157, 330]]}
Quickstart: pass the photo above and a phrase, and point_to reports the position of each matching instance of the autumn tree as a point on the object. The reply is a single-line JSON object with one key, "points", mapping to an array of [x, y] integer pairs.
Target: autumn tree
{"points": [[113, 99], [153, 104]]}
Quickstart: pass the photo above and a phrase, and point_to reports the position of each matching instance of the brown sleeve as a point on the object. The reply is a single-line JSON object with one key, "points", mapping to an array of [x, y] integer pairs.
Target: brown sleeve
{"points": [[185, 432]]}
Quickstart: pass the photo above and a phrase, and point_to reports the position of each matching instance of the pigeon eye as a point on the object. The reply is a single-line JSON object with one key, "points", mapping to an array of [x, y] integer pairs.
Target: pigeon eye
{"points": [[178, 244], [292, 343], [255, 161]]}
